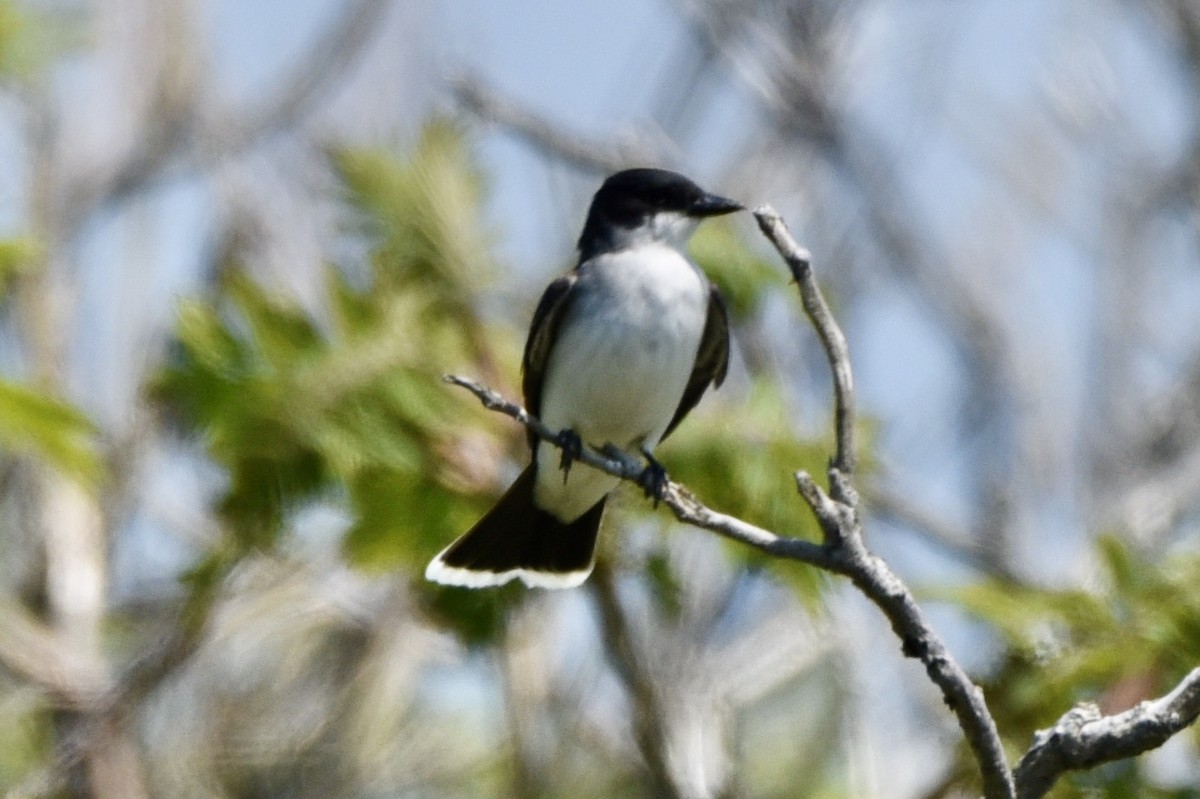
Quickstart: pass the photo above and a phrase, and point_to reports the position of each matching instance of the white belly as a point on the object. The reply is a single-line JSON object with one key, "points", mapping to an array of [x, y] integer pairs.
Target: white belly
{"points": [[619, 367]]}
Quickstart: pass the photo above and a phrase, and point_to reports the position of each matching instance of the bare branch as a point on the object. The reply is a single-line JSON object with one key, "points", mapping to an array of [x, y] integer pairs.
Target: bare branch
{"points": [[109, 705], [965, 699], [488, 104], [678, 498], [74, 677], [843, 553], [188, 136], [1083, 738], [832, 339], [649, 720]]}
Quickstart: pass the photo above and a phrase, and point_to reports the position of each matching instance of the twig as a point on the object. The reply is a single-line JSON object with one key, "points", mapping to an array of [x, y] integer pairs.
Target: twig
{"points": [[602, 157], [843, 550], [842, 553], [186, 137], [682, 503], [799, 262], [1083, 738], [965, 699], [838, 516]]}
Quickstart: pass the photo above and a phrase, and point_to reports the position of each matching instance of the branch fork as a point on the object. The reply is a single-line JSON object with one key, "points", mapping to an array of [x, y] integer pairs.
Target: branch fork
{"points": [[1081, 739]]}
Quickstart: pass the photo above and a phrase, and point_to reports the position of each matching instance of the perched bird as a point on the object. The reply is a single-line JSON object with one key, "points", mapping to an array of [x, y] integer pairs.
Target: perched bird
{"points": [[619, 351]]}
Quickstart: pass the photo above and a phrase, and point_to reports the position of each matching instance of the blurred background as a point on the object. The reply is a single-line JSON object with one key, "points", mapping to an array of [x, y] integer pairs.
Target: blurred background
{"points": [[240, 242]]}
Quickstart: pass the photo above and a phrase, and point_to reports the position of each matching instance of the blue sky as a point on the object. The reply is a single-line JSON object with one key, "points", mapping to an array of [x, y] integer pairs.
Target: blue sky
{"points": [[595, 67]]}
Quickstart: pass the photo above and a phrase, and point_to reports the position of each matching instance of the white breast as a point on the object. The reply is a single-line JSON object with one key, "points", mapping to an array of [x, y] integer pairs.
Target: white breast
{"points": [[620, 364]]}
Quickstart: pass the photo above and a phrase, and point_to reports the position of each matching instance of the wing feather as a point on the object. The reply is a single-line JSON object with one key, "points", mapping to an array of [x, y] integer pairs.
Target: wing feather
{"points": [[543, 331], [712, 358]]}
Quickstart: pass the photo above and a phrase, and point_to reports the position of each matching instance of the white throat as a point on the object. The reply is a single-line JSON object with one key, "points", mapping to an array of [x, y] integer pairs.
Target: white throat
{"points": [[670, 228]]}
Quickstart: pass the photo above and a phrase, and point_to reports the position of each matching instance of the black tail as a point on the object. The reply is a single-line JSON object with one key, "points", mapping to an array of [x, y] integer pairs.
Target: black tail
{"points": [[517, 539]]}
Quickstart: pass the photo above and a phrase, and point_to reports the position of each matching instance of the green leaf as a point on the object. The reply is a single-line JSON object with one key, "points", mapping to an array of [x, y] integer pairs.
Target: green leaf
{"points": [[207, 341], [1133, 636], [15, 39], [1120, 562], [296, 408], [17, 257], [278, 329], [424, 212], [51, 429], [664, 585], [405, 519]]}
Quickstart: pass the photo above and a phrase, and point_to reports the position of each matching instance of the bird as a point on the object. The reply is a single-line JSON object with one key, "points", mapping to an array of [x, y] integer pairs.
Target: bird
{"points": [[620, 349]]}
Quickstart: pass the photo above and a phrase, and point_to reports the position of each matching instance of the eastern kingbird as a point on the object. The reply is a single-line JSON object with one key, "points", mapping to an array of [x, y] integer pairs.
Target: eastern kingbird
{"points": [[620, 350]]}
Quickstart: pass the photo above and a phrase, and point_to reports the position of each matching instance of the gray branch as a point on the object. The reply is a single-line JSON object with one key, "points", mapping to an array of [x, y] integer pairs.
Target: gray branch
{"points": [[843, 550], [649, 719], [488, 104], [30, 649], [188, 132], [842, 553], [1083, 738], [799, 261], [678, 498]]}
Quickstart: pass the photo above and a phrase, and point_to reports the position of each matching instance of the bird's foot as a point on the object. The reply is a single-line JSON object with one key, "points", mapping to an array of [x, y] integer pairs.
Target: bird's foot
{"points": [[572, 446], [653, 479]]}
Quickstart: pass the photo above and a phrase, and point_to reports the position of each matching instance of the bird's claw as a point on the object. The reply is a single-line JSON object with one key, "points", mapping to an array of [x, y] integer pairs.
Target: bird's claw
{"points": [[653, 479], [572, 446]]}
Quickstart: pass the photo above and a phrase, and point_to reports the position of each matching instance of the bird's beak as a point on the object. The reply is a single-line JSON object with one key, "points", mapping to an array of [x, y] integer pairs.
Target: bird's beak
{"points": [[712, 205]]}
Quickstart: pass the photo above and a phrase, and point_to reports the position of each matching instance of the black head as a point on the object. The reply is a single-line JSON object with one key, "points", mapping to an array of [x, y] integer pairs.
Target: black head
{"points": [[652, 204]]}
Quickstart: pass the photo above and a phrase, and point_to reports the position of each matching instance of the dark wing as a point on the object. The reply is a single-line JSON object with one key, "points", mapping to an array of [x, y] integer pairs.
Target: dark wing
{"points": [[542, 333], [712, 359]]}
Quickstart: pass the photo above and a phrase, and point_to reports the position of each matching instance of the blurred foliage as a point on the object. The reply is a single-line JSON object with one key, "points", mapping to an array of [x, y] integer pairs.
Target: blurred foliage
{"points": [[1130, 639], [742, 464], [352, 406], [293, 406], [742, 275], [348, 406], [16, 258], [423, 215], [31, 36], [33, 423], [14, 38], [820, 697], [26, 731]]}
